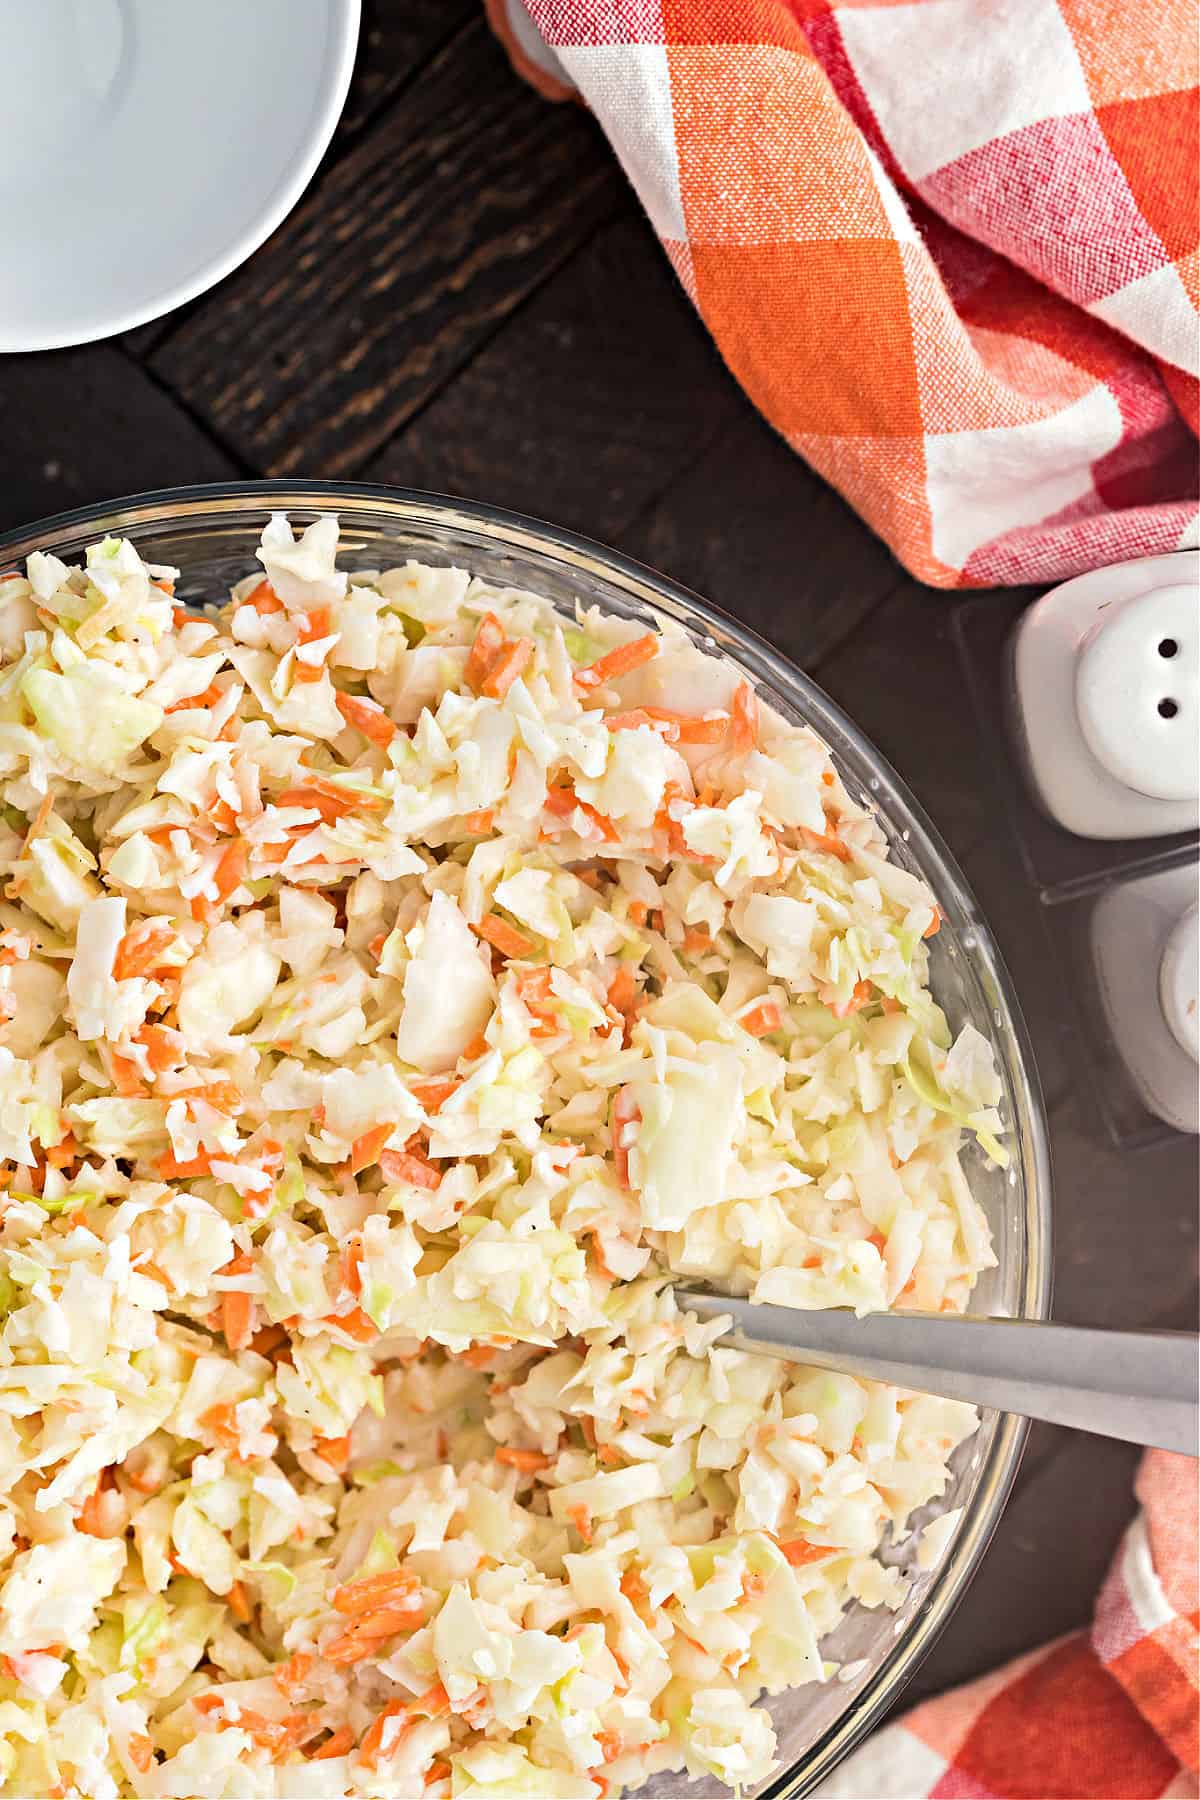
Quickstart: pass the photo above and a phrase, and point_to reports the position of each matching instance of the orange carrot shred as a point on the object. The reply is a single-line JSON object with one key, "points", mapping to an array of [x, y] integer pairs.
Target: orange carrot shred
{"points": [[527, 1461], [357, 1325], [170, 1169], [367, 1593], [290, 1676], [238, 1602], [334, 1451], [824, 840], [503, 936], [743, 722], [264, 599], [625, 1111], [367, 717], [140, 950], [617, 662], [337, 1745], [489, 642], [365, 1149], [761, 1020], [125, 1077], [409, 1166], [478, 824], [511, 663], [434, 1092], [141, 1751], [799, 1551]]}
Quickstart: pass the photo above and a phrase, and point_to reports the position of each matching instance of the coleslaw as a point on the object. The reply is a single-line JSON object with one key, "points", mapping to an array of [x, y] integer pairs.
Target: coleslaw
{"points": [[400, 983]]}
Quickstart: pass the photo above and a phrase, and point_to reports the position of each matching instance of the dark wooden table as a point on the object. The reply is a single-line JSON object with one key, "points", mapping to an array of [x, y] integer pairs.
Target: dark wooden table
{"points": [[469, 299]]}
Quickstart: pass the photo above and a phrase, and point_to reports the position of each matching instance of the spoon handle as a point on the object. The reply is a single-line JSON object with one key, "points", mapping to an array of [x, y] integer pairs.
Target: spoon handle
{"points": [[1136, 1385]]}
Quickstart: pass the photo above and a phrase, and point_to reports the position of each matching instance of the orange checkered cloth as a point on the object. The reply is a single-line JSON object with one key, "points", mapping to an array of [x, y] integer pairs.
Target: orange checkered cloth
{"points": [[1109, 1714], [950, 248]]}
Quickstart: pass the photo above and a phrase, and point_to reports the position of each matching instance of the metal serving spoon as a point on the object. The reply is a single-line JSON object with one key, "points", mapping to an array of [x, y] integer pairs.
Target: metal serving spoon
{"points": [[1136, 1385]]}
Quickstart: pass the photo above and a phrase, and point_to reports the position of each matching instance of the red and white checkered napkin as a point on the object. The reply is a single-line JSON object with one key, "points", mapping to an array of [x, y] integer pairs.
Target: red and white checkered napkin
{"points": [[1110, 1714], [950, 248]]}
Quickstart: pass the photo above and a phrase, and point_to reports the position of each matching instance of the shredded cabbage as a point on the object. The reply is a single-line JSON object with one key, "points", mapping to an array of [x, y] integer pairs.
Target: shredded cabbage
{"points": [[398, 984]]}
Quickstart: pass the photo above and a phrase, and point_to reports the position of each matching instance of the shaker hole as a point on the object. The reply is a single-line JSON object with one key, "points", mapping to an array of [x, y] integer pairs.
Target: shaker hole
{"points": [[1168, 647], [1167, 709]]}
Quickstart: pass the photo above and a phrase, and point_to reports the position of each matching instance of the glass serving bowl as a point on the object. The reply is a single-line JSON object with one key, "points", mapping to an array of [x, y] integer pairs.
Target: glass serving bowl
{"points": [[210, 533]]}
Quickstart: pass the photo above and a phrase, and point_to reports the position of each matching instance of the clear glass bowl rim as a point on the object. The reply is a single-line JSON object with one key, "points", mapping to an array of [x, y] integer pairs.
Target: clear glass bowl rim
{"points": [[225, 501]]}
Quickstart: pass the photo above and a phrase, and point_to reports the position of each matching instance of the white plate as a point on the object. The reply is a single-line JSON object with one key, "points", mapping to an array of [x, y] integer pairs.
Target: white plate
{"points": [[150, 145]]}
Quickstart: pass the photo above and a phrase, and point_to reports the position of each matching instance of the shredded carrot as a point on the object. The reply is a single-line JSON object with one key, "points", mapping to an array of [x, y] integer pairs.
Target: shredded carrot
{"points": [[208, 1703], [63, 1153], [625, 1112], [511, 662], [433, 1702], [503, 936], [409, 1166], [125, 1077], [334, 1451], [372, 1745], [799, 1551], [352, 1263], [363, 1637], [860, 995], [164, 1048], [710, 728], [196, 702], [220, 1422], [365, 1149], [337, 1745], [170, 1169], [238, 1602], [527, 1461], [290, 1676], [935, 924], [366, 716], [622, 991], [697, 938], [91, 1517], [313, 625], [638, 912], [477, 1047], [433, 1093], [561, 802], [223, 1096], [437, 1771], [264, 599], [761, 1020], [743, 720], [367, 1593], [331, 807], [141, 1751], [824, 840], [357, 1325], [581, 1519], [617, 662], [478, 1356], [478, 824], [489, 642], [598, 1257], [237, 1320], [610, 1745]]}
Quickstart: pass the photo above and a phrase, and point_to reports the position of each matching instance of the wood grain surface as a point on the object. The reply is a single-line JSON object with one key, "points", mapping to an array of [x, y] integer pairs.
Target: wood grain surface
{"points": [[468, 299]]}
